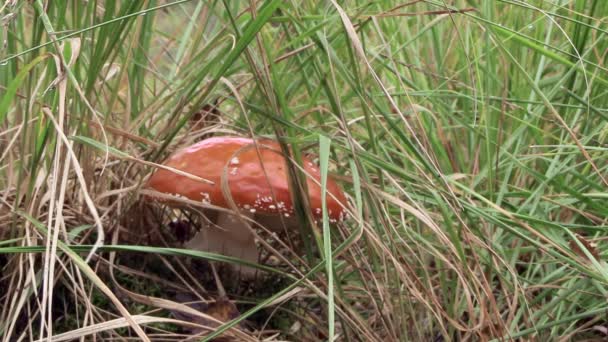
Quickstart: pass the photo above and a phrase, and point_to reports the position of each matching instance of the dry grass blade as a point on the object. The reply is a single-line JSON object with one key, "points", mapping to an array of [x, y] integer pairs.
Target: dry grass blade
{"points": [[114, 324]]}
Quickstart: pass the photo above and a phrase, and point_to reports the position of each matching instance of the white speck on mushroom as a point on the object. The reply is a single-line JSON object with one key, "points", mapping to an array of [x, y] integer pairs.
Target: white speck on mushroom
{"points": [[286, 214], [206, 199], [234, 161], [272, 206], [252, 210], [233, 171]]}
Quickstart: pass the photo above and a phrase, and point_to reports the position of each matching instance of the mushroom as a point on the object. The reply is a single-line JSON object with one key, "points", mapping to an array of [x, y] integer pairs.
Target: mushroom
{"points": [[254, 179]]}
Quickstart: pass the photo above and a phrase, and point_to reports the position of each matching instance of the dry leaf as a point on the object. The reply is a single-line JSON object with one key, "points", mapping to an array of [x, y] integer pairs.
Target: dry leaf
{"points": [[589, 245]]}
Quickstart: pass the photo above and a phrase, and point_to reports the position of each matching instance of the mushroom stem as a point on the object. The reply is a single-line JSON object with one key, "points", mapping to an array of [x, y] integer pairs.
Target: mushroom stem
{"points": [[230, 236]]}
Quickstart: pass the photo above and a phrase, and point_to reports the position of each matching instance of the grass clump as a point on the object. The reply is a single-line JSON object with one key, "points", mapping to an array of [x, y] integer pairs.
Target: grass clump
{"points": [[470, 137]]}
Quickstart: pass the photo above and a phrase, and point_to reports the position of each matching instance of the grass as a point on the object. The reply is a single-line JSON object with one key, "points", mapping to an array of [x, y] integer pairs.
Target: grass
{"points": [[470, 137]]}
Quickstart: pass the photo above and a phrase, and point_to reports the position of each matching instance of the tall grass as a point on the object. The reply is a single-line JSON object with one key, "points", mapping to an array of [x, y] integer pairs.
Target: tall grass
{"points": [[470, 137]]}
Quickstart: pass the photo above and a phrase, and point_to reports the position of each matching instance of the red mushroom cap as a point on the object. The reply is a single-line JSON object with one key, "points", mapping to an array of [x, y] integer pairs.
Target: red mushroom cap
{"points": [[251, 188]]}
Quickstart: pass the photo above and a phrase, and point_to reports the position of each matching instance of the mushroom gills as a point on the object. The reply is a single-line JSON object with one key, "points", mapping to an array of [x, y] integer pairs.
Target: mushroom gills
{"points": [[277, 223], [230, 236]]}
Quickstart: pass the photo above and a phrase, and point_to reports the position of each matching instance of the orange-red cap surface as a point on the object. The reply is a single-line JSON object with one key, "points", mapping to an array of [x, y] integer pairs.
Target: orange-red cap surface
{"points": [[251, 188]]}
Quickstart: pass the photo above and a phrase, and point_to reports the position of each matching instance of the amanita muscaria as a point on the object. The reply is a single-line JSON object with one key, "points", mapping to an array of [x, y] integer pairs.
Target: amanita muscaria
{"points": [[257, 181]]}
